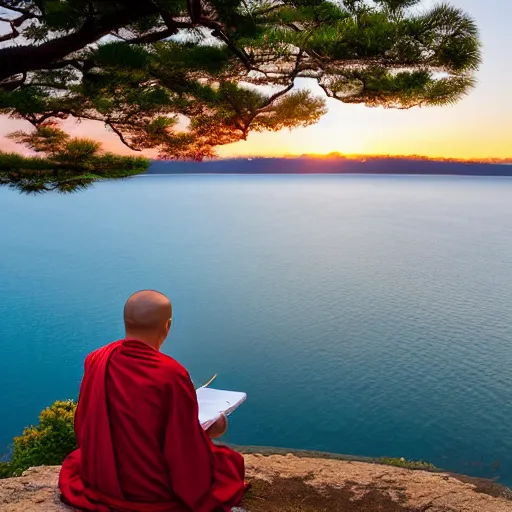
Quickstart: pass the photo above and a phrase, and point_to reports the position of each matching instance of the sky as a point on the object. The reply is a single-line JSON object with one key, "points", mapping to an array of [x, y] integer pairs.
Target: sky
{"points": [[479, 126]]}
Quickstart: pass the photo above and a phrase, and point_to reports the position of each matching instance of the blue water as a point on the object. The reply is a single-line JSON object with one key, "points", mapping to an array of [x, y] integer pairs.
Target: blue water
{"points": [[363, 315]]}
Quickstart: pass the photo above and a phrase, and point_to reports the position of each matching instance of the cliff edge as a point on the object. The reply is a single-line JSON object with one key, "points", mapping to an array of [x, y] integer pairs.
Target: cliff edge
{"points": [[288, 483]]}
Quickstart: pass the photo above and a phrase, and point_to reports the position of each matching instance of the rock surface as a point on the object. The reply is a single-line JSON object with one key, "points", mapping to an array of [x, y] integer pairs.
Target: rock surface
{"points": [[300, 484]]}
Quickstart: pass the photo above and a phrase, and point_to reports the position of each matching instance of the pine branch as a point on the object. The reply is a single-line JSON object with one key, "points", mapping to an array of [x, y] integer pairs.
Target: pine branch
{"points": [[287, 89], [76, 63], [17, 59], [14, 84], [194, 10], [218, 32], [122, 138], [269, 10], [172, 28], [153, 37]]}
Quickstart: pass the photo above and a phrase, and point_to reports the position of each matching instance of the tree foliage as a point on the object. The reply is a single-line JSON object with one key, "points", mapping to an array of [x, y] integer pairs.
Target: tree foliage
{"points": [[47, 443], [71, 164], [181, 76]]}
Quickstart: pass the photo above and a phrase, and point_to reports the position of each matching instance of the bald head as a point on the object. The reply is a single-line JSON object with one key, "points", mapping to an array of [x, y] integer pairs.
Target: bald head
{"points": [[147, 316]]}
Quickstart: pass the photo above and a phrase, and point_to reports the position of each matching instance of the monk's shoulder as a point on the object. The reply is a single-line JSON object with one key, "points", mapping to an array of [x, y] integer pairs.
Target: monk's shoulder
{"points": [[177, 379], [172, 366], [139, 354], [100, 353]]}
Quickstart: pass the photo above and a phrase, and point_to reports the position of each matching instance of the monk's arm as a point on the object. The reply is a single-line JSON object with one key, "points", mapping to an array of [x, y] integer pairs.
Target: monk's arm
{"points": [[187, 447]]}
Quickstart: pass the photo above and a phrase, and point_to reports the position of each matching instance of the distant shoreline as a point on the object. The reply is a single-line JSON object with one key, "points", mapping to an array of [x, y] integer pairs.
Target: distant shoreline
{"points": [[350, 174], [312, 166]]}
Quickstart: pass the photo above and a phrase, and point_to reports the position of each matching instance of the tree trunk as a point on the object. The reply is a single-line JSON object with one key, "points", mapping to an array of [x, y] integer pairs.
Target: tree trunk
{"points": [[21, 59]]}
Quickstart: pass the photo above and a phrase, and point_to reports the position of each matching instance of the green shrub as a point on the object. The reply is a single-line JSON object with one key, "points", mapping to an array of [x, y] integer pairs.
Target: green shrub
{"points": [[48, 443], [5, 469], [409, 464]]}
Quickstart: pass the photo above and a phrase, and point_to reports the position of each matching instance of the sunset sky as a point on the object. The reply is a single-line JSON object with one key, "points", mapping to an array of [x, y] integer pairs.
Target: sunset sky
{"points": [[480, 126]]}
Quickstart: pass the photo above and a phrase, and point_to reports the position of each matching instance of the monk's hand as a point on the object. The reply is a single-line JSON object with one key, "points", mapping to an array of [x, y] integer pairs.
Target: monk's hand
{"points": [[219, 428]]}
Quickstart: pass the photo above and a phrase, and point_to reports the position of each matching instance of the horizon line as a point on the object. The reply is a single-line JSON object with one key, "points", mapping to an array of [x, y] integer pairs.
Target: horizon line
{"points": [[351, 156]]}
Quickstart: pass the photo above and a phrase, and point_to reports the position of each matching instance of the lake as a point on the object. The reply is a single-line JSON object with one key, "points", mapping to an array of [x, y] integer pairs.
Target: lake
{"points": [[365, 315]]}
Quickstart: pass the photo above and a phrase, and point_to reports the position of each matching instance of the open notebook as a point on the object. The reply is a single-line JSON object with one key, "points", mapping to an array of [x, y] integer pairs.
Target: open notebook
{"points": [[214, 402]]}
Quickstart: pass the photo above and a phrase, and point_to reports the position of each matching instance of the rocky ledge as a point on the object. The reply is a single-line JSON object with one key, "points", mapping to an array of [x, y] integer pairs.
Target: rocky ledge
{"points": [[290, 483]]}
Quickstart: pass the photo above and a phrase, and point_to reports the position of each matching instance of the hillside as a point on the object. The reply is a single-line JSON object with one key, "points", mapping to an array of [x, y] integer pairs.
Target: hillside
{"points": [[307, 165], [288, 483]]}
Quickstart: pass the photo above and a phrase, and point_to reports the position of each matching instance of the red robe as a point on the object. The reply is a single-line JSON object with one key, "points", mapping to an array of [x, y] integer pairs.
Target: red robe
{"points": [[141, 447]]}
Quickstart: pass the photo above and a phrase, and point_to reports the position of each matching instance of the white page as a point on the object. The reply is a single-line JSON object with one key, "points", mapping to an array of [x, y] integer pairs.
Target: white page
{"points": [[214, 402]]}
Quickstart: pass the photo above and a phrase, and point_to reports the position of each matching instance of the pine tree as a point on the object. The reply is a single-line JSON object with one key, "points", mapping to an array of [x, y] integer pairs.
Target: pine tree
{"points": [[184, 76]]}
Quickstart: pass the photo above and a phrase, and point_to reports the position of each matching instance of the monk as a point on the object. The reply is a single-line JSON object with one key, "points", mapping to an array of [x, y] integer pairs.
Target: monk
{"points": [[141, 446]]}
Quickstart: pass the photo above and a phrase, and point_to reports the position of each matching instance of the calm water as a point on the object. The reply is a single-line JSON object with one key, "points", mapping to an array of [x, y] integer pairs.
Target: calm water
{"points": [[363, 315]]}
